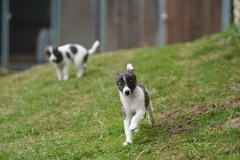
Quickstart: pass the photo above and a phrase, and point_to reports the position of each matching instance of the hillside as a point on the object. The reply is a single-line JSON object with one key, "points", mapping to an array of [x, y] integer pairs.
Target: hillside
{"points": [[194, 87]]}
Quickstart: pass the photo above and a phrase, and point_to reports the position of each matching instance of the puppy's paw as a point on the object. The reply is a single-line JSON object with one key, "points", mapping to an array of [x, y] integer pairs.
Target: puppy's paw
{"points": [[65, 78], [133, 127], [136, 130], [127, 142]]}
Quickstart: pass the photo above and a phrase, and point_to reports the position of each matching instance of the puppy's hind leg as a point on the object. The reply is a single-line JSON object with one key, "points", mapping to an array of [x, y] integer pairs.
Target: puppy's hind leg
{"points": [[150, 114], [79, 66]]}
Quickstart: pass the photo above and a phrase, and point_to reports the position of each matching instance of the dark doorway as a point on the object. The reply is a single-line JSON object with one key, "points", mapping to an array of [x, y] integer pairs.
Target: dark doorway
{"points": [[28, 17]]}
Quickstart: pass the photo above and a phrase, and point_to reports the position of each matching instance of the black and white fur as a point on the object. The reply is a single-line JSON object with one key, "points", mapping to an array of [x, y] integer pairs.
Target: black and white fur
{"points": [[62, 56], [135, 102]]}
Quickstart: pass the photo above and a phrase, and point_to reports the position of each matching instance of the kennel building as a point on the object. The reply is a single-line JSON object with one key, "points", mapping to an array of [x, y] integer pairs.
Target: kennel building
{"points": [[28, 26]]}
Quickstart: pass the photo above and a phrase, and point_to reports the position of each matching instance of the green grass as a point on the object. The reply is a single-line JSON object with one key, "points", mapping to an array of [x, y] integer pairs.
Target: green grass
{"points": [[41, 118]]}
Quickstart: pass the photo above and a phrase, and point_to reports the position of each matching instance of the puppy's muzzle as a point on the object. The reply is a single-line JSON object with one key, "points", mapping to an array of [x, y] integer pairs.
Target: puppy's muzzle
{"points": [[53, 60], [127, 92]]}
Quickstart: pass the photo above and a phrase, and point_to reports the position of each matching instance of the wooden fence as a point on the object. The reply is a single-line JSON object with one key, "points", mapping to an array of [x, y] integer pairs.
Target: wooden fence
{"points": [[134, 23], [192, 19], [131, 23]]}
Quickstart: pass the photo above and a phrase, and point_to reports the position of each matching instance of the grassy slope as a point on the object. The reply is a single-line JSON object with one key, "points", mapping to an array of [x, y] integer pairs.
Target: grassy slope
{"points": [[41, 118]]}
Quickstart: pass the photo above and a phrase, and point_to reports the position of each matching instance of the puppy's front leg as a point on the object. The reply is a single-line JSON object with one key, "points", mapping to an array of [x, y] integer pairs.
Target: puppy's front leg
{"points": [[59, 72], [136, 119], [65, 71], [128, 133]]}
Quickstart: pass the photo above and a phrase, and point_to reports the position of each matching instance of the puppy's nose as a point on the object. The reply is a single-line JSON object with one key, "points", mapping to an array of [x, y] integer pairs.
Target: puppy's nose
{"points": [[127, 92]]}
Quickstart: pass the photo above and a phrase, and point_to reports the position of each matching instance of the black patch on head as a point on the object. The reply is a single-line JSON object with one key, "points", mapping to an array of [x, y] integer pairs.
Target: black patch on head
{"points": [[119, 81], [131, 80], [58, 55], [68, 55], [146, 95], [48, 53], [73, 49], [85, 58]]}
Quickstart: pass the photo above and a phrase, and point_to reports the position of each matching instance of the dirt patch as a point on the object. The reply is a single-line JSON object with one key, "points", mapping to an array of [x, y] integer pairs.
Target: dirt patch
{"points": [[235, 102], [200, 109], [177, 123], [233, 123], [181, 120]]}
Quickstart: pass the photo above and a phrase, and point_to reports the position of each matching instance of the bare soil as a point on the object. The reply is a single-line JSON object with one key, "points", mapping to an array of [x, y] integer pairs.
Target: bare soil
{"points": [[181, 120], [233, 123]]}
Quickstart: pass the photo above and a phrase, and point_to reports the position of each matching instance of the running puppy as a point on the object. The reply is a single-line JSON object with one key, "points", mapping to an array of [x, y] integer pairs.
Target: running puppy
{"points": [[135, 102], [62, 56]]}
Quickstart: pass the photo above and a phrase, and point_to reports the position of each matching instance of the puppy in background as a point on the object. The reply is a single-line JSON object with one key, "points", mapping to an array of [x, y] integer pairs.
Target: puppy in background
{"points": [[61, 57], [135, 102]]}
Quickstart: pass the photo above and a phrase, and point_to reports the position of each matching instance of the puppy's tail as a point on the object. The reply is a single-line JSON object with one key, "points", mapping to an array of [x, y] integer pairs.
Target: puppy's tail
{"points": [[94, 47], [129, 67]]}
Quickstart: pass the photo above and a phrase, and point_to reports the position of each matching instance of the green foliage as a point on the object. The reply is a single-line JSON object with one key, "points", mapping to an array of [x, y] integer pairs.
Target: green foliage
{"points": [[41, 118]]}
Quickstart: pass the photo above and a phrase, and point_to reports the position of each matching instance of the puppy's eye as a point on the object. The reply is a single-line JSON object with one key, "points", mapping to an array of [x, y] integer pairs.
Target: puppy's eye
{"points": [[131, 81], [120, 83]]}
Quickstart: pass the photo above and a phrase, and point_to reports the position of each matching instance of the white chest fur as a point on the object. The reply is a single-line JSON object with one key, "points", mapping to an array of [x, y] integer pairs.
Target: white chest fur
{"points": [[134, 102]]}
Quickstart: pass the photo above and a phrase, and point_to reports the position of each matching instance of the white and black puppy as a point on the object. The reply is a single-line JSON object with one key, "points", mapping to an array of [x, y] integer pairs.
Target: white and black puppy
{"points": [[135, 102], [62, 56]]}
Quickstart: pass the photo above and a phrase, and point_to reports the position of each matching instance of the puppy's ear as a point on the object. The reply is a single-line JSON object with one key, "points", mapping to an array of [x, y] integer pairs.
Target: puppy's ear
{"points": [[117, 75], [131, 71], [130, 68]]}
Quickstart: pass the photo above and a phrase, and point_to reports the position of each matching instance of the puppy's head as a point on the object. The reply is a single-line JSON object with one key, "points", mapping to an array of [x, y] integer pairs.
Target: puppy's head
{"points": [[126, 81], [53, 54]]}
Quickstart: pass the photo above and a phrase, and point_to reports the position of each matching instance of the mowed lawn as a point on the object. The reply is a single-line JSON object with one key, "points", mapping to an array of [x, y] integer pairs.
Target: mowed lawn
{"points": [[195, 91]]}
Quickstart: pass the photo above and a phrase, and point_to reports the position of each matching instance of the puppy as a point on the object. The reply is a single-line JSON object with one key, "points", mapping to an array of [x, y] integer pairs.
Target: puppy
{"points": [[62, 56], [135, 102]]}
